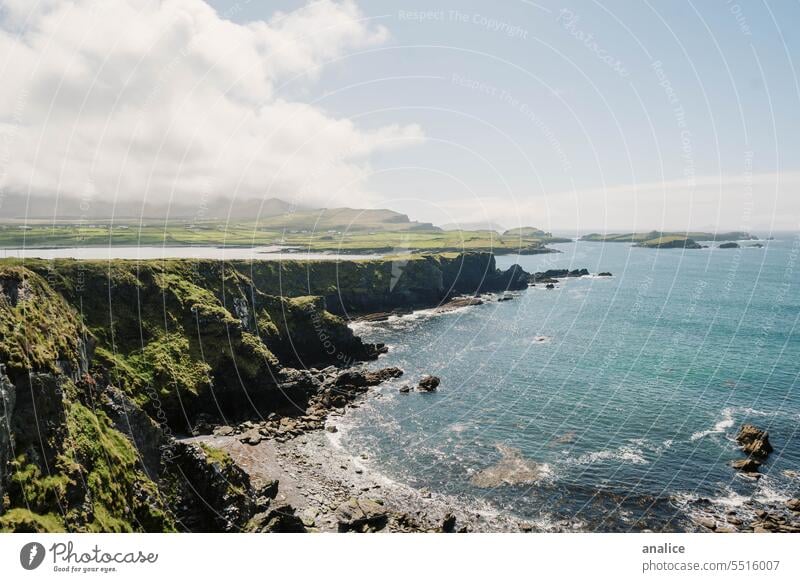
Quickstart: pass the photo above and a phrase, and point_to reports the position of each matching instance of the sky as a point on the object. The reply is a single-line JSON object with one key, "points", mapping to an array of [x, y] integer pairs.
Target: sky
{"points": [[565, 115]]}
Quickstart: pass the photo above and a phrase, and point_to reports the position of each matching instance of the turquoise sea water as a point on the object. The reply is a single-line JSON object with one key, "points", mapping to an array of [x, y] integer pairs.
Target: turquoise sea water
{"points": [[627, 391]]}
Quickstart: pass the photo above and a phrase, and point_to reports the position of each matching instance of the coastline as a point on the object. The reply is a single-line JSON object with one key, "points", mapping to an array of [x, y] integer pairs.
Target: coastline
{"points": [[317, 479], [264, 453]]}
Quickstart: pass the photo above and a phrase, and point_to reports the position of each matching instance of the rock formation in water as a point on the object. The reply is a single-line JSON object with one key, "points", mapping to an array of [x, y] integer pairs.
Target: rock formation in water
{"points": [[754, 441]]}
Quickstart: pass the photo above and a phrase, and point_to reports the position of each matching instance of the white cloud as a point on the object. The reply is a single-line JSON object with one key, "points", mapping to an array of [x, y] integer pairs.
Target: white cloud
{"points": [[136, 99]]}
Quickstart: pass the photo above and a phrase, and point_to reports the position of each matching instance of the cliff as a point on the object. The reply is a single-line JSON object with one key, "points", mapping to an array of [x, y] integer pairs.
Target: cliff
{"points": [[101, 364]]}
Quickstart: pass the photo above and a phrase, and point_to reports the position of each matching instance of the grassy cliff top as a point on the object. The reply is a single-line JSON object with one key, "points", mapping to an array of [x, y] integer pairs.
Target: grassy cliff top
{"points": [[655, 237], [386, 237]]}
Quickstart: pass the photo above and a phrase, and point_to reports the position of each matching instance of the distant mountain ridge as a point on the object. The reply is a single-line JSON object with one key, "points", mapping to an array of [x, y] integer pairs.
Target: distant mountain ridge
{"points": [[269, 213], [474, 225]]}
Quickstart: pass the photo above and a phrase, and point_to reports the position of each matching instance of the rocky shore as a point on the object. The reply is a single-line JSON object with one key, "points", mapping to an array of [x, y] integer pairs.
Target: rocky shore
{"points": [[753, 515], [109, 371], [315, 486], [207, 396]]}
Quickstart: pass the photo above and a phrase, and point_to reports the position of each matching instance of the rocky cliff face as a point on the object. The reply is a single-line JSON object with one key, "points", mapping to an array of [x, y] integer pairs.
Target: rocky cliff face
{"points": [[7, 399], [102, 364]]}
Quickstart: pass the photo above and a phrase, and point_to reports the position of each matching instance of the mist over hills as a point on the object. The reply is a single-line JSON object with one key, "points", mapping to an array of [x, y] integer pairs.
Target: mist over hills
{"points": [[267, 213]]}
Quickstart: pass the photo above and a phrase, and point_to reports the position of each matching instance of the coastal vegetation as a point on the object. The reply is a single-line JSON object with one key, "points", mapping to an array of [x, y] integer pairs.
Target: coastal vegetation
{"points": [[43, 223], [103, 364], [350, 239]]}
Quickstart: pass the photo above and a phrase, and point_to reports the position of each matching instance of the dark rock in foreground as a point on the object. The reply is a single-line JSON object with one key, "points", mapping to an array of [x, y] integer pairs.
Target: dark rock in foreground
{"points": [[361, 515], [449, 523], [281, 519]]}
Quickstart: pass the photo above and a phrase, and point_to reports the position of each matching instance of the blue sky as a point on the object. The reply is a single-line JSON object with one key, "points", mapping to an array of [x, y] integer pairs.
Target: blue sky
{"points": [[565, 114], [516, 99]]}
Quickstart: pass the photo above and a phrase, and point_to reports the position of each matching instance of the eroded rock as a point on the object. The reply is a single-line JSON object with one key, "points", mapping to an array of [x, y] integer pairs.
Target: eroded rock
{"points": [[428, 383], [361, 515], [754, 441], [748, 465]]}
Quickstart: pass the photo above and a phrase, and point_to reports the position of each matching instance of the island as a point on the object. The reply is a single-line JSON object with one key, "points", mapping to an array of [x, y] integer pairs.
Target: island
{"points": [[668, 240]]}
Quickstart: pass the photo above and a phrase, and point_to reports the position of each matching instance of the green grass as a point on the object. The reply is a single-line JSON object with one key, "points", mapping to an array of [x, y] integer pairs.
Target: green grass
{"points": [[385, 238], [38, 330], [21, 520], [662, 240], [654, 235]]}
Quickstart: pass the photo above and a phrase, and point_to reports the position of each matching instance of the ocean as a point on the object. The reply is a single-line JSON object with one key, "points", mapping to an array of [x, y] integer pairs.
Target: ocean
{"points": [[606, 404]]}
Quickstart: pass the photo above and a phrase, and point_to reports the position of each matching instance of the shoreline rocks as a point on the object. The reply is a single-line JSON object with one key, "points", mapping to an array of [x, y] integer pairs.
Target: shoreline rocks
{"points": [[428, 384], [552, 275], [754, 441], [361, 515], [748, 465]]}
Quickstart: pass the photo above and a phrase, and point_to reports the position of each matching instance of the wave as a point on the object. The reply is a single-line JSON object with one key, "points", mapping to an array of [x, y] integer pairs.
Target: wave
{"points": [[720, 427], [630, 453], [731, 413]]}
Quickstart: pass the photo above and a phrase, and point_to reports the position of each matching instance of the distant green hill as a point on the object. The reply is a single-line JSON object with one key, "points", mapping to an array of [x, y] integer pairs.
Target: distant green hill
{"points": [[269, 213], [343, 219], [533, 232], [658, 239]]}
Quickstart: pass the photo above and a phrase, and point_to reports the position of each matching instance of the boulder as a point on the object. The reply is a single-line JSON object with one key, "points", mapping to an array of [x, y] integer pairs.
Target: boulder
{"points": [[459, 302], [269, 489], [754, 441], [361, 378], [405, 389], [707, 522], [449, 523], [361, 515], [793, 504], [604, 274], [748, 465], [383, 375], [429, 384], [558, 274], [281, 519]]}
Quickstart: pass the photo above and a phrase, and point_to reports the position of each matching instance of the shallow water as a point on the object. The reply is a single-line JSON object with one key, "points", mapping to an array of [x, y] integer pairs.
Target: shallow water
{"points": [[270, 253], [626, 391]]}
